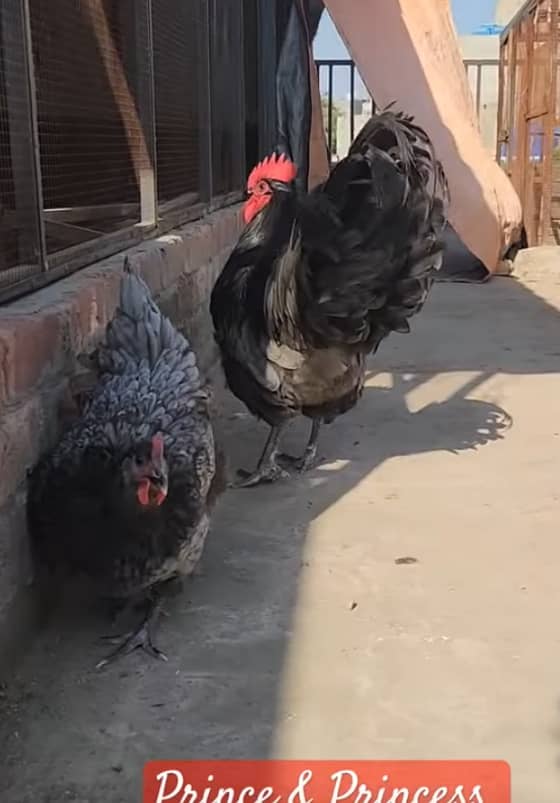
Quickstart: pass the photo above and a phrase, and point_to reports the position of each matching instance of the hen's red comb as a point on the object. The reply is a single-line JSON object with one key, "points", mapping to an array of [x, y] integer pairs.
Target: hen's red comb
{"points": [[157, 447], [273, 168]]}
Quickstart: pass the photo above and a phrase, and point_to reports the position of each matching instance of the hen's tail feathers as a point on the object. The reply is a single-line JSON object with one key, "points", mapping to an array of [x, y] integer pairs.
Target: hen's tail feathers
{"points": [[397, 135], [138, 331]]}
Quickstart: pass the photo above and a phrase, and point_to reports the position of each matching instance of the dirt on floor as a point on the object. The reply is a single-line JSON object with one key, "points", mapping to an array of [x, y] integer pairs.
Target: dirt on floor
{"points": [[397, 602]]}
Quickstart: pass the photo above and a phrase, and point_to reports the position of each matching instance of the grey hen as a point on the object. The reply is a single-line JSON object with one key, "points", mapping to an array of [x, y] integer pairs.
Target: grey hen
{"points": [[126, 495]]}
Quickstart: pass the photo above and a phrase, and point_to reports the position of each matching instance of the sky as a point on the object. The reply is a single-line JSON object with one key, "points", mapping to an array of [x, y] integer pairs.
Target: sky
{"points": [[467, 14]]}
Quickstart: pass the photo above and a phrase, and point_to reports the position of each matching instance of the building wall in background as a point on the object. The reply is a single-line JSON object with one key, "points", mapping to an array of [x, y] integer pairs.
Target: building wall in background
{"points": [[484, 47], [506, 9]]}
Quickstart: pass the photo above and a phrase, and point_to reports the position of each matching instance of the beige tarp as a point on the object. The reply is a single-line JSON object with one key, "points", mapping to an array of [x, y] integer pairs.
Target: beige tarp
{"points": [[407, 51]]}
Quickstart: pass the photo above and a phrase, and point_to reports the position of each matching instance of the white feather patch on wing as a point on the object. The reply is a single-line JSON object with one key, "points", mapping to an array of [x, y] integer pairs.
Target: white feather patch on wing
{"points": [[284, 356]]}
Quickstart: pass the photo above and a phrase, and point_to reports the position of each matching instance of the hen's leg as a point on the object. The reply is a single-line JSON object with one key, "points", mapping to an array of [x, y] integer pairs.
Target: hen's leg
{"points": [[141, 637], [309, 457], [117, 608], [267, 469]]}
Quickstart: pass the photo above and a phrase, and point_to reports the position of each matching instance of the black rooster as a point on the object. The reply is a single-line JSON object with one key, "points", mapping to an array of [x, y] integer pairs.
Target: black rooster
{"points": [[125, 497], [317, 280]]}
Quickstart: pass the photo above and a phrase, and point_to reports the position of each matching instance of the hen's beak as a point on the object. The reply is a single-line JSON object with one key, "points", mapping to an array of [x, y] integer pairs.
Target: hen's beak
{"points": [[158, 488], [152, 491]]}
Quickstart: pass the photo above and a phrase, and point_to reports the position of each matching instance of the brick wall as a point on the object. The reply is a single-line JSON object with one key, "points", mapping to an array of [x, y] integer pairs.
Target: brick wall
{"points": [[40, 338]]}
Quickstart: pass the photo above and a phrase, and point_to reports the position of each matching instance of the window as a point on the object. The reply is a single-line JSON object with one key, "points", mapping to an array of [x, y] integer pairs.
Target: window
{"points": [[119, 119]]}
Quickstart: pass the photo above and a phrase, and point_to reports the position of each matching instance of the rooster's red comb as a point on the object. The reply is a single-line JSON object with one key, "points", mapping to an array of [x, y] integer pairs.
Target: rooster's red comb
{"points": [[273, 168]]}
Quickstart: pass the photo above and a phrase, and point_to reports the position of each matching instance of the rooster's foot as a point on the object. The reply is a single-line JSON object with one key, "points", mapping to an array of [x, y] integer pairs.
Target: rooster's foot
{"points": [[309, 458], [271, 472], [300, 464], [268, 470]]}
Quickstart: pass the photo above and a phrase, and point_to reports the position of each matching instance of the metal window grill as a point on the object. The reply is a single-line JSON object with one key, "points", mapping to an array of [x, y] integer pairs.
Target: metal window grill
{"points": [[347, 103], [118, 119], [228, 94], [87, 120], [19, 220], [178, 71]]}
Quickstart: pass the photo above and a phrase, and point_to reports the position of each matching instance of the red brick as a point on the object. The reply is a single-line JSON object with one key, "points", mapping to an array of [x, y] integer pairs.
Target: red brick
{"points": [[232, 223], [92, 306], [199, 245], [15, 560], [29, 347], [24, 433], [173, 258]]}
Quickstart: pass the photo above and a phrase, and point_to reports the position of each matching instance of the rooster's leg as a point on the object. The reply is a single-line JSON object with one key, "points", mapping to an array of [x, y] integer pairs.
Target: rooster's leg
{"points": [[308, 460], [140, 638], [267, 469]]}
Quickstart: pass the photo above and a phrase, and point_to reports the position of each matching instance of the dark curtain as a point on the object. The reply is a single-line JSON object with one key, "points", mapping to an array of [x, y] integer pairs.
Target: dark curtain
{"points": [[315, 10], [296, 25]]}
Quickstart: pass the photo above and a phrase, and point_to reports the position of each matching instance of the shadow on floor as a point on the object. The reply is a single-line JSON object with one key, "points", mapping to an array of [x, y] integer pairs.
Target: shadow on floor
{"points": [[68, 733]]}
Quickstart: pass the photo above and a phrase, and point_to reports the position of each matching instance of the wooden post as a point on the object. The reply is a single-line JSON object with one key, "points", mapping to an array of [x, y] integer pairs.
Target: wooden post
{"points": [[502, 70], [147, 175], [137, 122], [550, 122], [525, 193]]}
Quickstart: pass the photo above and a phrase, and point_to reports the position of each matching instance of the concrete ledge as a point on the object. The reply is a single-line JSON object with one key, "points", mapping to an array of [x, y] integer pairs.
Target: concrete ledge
{"points": [[40, 338]]}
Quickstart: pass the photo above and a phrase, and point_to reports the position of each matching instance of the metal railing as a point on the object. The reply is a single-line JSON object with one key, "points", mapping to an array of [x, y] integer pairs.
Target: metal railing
{"points": [[118, 120], [346, 66], [340, 78]]}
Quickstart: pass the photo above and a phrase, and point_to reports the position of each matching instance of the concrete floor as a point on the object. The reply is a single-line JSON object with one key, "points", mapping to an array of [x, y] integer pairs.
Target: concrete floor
{"points": [[307, 637]]}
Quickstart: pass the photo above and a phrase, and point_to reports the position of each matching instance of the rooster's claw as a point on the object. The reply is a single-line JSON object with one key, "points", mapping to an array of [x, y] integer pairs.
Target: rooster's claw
{"points": [[270, 473], [300, 464]]}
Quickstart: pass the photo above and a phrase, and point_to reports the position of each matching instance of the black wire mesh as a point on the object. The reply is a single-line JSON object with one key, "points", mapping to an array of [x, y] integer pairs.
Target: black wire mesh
{"points": [[89, 131], [97, 98], [228, 97], [251, 49], [18, 211], [178, 32]]}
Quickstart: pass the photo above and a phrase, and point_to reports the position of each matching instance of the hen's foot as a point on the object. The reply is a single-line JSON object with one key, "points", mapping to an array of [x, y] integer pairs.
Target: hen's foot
{"points": [[271, 472], [138, 639], [119, 609]]}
